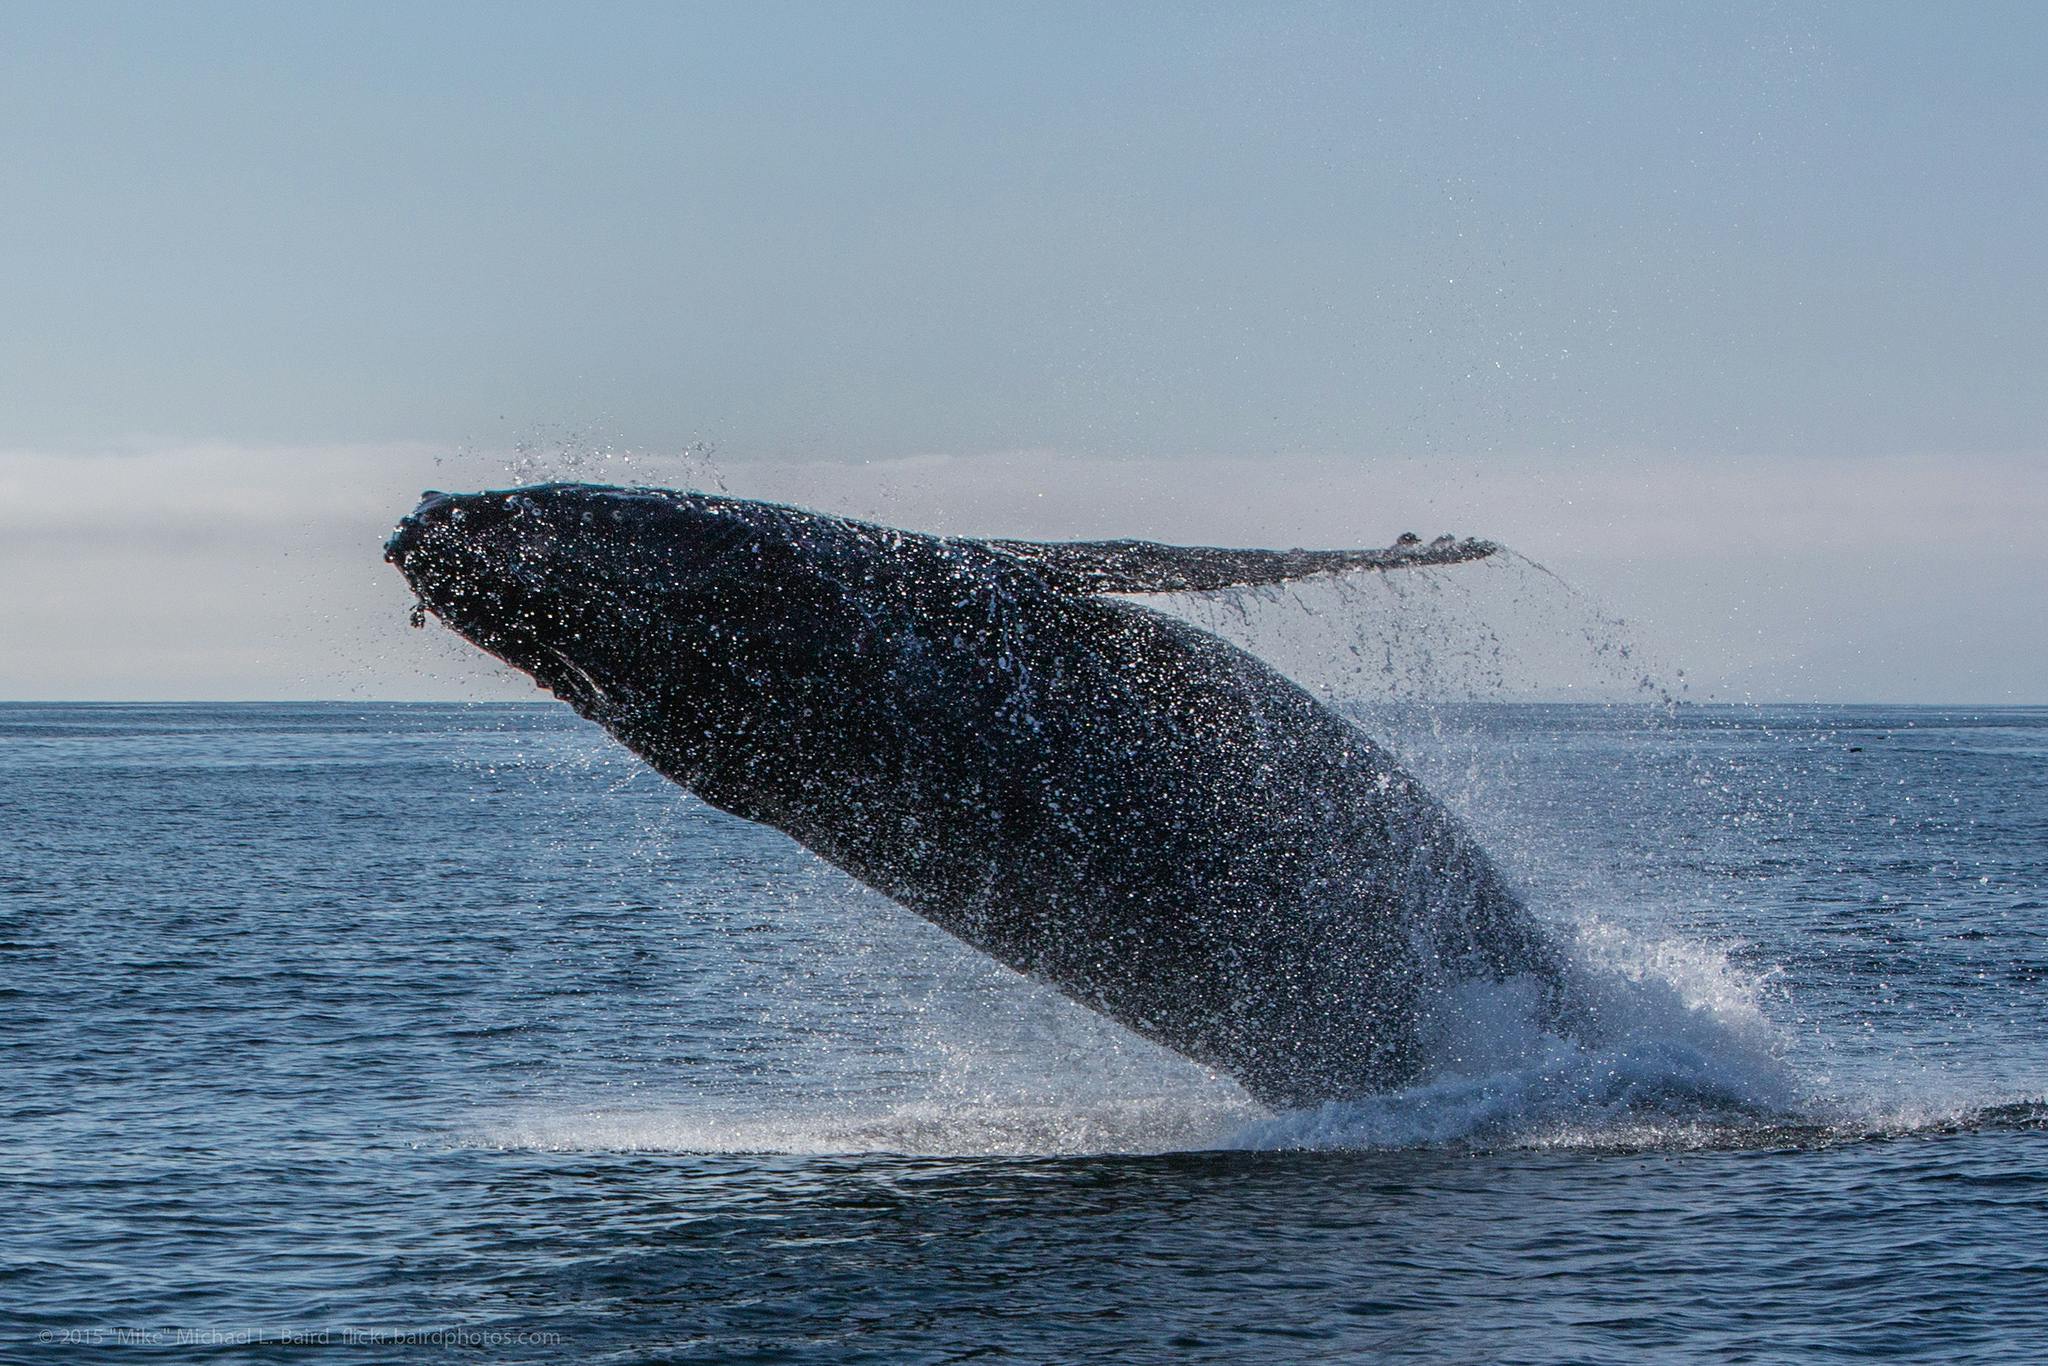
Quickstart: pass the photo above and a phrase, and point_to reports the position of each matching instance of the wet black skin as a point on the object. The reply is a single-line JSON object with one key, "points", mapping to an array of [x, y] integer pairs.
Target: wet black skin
{"points": [[1097, 794]]}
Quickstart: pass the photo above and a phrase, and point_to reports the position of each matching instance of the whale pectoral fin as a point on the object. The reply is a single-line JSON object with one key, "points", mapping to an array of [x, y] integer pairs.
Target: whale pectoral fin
{"points": [[1149, 567]]}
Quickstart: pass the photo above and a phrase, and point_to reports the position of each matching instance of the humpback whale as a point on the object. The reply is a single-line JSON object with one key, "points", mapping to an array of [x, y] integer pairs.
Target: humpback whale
{"points": [[1100, 795]]}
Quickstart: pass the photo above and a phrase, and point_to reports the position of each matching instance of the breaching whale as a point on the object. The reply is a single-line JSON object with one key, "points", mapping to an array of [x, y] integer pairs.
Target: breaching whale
{"points": [[1100, 795]]}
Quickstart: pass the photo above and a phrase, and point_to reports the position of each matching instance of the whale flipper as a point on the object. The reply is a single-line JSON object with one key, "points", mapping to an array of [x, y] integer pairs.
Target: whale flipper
{"points": [[1150, 567]]}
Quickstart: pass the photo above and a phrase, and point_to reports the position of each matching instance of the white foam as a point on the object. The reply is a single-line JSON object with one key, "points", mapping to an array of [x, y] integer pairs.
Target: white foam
{"points": [[1675, 1051], [940, 1128]]}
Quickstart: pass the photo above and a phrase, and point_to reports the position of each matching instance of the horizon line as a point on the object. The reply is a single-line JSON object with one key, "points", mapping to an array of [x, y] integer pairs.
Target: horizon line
{"points": [[1659, 703]]}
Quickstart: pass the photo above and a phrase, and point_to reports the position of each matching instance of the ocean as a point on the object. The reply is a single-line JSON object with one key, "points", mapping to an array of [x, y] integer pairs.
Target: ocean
{"points": [[403, 1032]]}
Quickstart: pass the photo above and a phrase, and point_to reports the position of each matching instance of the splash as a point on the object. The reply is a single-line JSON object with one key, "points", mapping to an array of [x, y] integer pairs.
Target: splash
{"points": [[1141, 1125], [1676, 1052], [1681, 1057], [551, 452], [1663, 1041], [1668, 1042], [1501, 629]]}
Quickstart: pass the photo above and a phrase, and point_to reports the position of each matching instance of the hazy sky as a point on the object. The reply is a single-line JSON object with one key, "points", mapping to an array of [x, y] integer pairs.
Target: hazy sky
{"points": [[1737, 316]]}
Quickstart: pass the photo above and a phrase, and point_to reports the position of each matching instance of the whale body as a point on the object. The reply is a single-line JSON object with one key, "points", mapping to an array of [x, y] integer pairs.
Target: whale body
{"points": [[1099, 795]]}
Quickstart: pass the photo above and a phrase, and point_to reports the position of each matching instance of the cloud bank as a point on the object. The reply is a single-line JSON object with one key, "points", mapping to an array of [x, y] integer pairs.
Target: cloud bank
{"points": [[226, 571]]}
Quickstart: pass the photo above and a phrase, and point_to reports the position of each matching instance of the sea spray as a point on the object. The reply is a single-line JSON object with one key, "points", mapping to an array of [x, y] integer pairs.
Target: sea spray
{"points": [[1650, 1031]]}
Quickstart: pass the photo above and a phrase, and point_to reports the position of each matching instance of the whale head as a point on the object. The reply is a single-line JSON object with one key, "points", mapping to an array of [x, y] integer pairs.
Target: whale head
{"points": [[691, 625], [618, 600], [759, 654]]}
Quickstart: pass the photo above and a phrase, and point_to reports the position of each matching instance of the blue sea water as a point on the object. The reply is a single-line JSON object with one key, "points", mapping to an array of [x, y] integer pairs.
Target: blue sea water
{"points": [[407, 1032]]}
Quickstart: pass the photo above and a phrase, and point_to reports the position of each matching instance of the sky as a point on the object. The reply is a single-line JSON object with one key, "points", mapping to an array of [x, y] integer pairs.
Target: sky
{"points": [[1731, 315]]}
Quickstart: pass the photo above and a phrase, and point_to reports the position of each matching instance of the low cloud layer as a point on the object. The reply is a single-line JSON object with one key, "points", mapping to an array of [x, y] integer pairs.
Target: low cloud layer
{"points": [[227, 571]]}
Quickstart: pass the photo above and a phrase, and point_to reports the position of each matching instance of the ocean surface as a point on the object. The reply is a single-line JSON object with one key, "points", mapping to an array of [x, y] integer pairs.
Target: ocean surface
{"points": [[406, 1032]]}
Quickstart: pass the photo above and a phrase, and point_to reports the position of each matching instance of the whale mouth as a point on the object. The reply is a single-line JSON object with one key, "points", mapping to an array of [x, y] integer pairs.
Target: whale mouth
{"points": [[462, 566], [443, 514], [469, 543], [494, 568], [435, 510]]}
